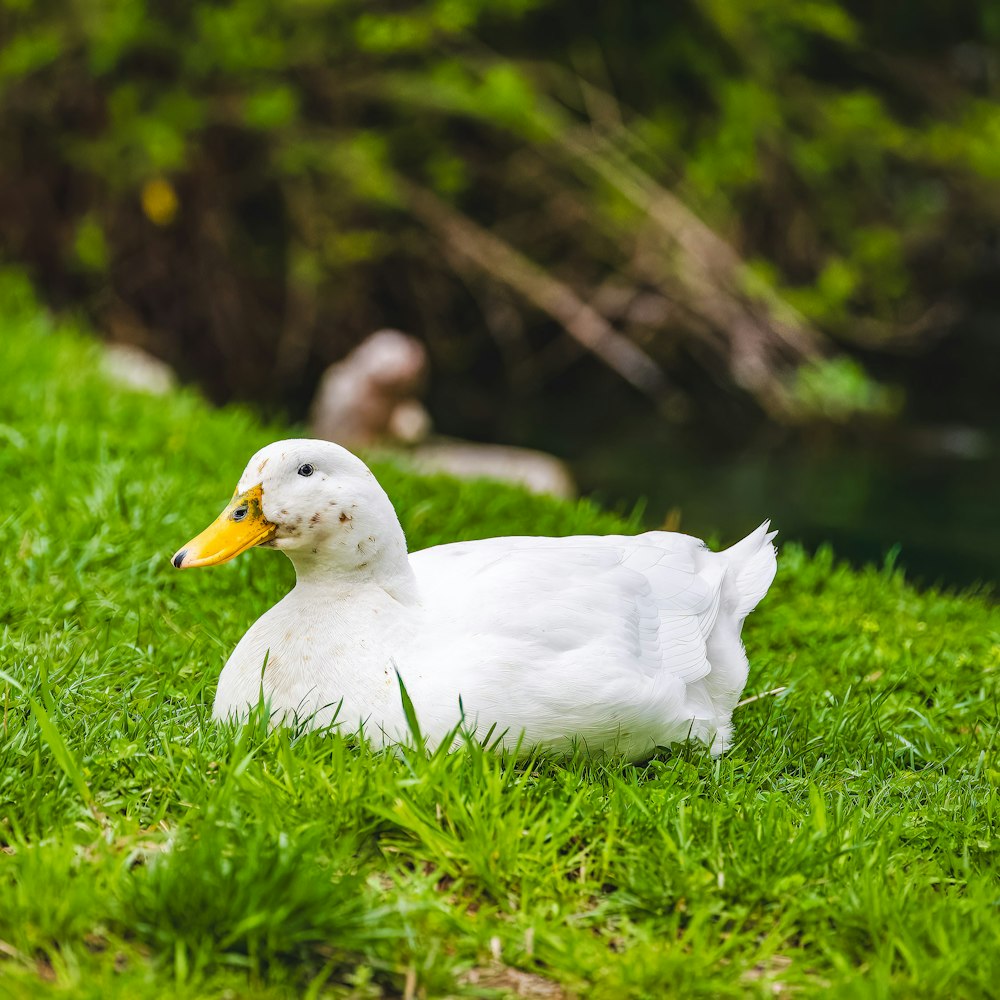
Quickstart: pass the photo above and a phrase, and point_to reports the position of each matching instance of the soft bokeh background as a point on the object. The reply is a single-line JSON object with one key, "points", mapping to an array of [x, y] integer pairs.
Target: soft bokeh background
{"points": [[736, 257]]}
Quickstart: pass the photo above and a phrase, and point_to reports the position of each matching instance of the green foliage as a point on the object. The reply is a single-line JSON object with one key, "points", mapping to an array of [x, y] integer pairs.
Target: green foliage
{"points": [[846, 845], [813, 136], [839, 389]]}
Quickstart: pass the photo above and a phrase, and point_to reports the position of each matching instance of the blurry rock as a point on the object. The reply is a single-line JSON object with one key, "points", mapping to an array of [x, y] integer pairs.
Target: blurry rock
{"points": [[535, 470], [135, 368], [949, 441], [410, 422], [372, 396]]}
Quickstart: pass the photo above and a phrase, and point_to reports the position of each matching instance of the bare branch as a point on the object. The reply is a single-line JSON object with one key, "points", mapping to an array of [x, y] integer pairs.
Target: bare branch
{"points": [[463, 238]]}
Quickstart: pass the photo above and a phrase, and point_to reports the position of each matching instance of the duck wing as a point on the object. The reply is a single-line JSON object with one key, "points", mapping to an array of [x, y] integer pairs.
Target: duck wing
{"points": [[595, 635]]}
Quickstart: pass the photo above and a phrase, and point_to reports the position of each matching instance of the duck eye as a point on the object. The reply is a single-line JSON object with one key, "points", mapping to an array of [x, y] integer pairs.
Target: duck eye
{"points": [[239, 513], [305, 470]]}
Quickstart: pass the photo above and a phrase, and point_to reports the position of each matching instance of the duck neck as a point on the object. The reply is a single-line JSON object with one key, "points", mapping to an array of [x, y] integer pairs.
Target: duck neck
{"points": [[378, 559]]}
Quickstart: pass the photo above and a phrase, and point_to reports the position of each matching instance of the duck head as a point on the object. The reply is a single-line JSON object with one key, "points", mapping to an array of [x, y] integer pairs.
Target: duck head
{"points": [[314, 500]]}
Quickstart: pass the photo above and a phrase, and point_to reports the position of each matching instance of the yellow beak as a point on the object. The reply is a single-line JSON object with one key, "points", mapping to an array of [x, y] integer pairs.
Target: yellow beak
{"points": [[239, 527]]}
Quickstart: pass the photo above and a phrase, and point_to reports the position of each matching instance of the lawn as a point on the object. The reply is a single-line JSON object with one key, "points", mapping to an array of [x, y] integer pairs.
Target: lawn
{"points": [[848, 845]]}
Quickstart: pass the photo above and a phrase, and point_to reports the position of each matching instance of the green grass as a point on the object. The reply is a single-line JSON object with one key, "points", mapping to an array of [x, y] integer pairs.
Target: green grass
{"points": [[846, 846]]}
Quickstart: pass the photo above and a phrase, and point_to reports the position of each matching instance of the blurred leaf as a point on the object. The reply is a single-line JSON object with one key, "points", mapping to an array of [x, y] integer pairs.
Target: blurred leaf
{"points": [[271, 108], [840, 388], [90, 245], [383, 34], [159, 201], [30, 51]]}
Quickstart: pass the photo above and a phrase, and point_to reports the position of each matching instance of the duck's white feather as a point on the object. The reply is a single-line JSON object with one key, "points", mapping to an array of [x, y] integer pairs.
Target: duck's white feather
{"points": [[610, 643]]}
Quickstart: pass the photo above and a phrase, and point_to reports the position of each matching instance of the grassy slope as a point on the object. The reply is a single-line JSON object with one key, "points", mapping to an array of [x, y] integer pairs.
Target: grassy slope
{"points": [[848, 843]]}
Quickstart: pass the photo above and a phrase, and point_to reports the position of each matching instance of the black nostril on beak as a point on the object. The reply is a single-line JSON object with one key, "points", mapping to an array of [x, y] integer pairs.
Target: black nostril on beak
{"points": [[179, 558]]}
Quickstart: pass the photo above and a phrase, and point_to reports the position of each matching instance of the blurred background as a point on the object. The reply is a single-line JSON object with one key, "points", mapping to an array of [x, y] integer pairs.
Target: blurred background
{"points": [[731, 258]]}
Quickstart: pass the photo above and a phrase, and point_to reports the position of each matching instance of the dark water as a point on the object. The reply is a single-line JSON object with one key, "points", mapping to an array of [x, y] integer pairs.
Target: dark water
{"points": [[926, 483], [941, 511]]}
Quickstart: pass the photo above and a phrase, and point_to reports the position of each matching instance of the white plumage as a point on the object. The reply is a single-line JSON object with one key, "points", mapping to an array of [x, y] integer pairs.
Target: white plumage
{"points": [[611, 643]]}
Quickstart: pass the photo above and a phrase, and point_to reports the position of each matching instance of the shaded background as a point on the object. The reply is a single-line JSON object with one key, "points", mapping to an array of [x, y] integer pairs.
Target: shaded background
{"points": [[736, 257]]}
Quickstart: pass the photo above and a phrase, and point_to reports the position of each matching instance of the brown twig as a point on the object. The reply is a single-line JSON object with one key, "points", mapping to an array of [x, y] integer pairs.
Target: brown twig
{"points": [[763, 694], [463, 238]]}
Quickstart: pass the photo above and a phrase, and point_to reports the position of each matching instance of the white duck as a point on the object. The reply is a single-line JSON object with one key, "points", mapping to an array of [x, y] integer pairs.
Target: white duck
{"points": [[613, 643]]}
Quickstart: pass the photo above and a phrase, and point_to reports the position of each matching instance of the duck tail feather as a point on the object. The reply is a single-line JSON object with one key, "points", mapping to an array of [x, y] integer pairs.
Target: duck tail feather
{"points": [[753, 562]]}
